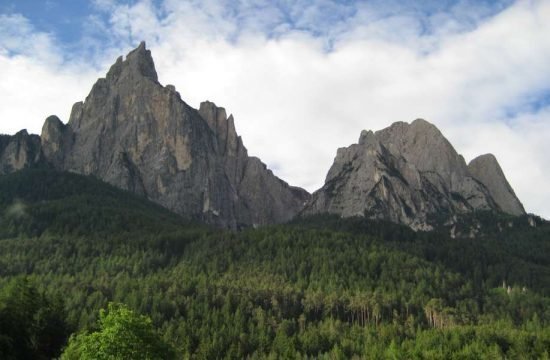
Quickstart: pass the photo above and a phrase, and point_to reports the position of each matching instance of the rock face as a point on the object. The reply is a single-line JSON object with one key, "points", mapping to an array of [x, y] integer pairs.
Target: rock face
{"points": [[141, 136], [19, 151], [486, 169], [409, 174], [262, 196]]}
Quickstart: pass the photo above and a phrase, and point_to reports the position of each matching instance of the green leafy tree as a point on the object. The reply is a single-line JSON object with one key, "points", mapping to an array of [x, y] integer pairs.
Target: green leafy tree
{"points": [[122, 334]]}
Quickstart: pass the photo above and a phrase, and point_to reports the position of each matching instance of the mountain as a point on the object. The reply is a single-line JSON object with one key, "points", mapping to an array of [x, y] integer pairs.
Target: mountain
{"points": [[140, 136], [19, 151], [411, 174], [97, 211]]}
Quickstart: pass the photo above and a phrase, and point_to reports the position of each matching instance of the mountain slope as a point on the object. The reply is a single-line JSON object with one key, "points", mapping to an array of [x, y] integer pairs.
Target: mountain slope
{"points": [[35, 201], [408, 174], [140, 136], [317, 287]]}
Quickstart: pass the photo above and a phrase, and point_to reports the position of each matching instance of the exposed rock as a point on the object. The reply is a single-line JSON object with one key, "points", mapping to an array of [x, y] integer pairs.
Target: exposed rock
{"points": [[140, 136], [19, 151], [54, 134], [406, 173], [486, 169], [262, 196]]}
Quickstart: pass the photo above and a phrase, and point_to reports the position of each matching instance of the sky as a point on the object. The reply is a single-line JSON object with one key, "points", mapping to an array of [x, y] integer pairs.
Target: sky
{"points": [[304, 77]]}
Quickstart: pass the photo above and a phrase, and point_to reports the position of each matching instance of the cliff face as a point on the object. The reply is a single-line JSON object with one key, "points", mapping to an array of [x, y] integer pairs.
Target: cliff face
{"points": [[409, 174], [141, 136], [19, 151], [486, 169], [262, 196]]}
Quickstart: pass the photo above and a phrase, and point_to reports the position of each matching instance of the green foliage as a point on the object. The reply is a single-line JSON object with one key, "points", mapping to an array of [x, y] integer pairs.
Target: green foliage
{"points": [[122, 334], [506, 248], [320, 287], [37, 201], [32, 325]]}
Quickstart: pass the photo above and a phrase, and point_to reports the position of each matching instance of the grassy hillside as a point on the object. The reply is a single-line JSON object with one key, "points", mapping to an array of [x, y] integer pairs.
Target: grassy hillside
{"points": [[318, 287]]}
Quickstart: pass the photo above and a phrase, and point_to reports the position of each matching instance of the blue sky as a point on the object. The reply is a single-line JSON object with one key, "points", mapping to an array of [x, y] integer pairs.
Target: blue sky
{"points": [[309, 73], [64, 19], [71, 21]]}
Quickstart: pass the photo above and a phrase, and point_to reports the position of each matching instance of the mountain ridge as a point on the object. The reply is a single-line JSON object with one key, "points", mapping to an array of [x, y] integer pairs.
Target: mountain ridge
{"points": [[409, 174], [138, 135]]}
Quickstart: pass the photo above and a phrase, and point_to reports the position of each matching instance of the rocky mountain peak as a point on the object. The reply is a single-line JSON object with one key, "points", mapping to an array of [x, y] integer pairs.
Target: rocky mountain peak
{"points": [[222, 126], [423, 145], [52, 129], [52, 138], [486, 169], [406, 173], [215, 116], [19, 151], [138, 135], [366, 137], [138, 63]]}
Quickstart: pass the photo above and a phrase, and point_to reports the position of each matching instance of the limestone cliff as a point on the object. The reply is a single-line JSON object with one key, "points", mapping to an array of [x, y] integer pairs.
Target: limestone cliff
{"points": [[141, 136], [486, 169], [406, 173], [19, 151]]}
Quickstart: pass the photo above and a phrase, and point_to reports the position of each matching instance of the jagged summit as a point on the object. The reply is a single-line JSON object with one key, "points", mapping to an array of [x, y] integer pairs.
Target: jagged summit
{"points": [[410, 174], [138, 62], [423, 145], [136, 134], [141, 136]]}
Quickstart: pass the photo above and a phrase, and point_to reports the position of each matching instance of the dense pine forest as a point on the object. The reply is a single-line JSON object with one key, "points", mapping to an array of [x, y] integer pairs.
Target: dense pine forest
{"points": [[79, 258]]}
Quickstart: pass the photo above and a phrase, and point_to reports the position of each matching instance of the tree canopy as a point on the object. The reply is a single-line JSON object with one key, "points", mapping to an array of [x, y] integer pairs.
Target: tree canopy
{"points": [[32, 325], [320, 287], [122, 334]]}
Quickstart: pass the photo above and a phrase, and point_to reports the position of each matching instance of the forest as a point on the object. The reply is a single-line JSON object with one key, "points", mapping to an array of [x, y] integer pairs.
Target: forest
{"points": [[81, 260]]}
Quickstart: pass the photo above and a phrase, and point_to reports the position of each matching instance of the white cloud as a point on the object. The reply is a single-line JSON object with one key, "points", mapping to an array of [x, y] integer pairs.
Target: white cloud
{"points": [[36, 82], [295, 103], [17, 36]]}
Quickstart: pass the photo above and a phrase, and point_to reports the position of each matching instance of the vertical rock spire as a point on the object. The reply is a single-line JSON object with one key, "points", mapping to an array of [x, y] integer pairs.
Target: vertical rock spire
{"points": [[140, 136]]}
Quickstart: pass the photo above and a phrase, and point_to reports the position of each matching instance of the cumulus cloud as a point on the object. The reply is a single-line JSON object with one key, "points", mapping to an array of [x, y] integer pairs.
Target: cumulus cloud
{"points": [[303, 80], [36, 79]]}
